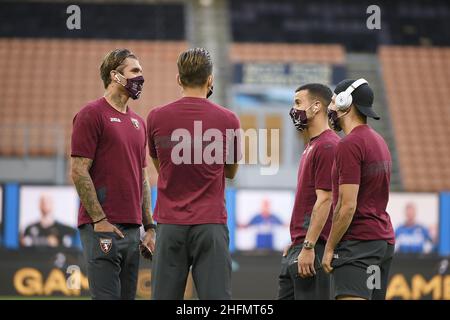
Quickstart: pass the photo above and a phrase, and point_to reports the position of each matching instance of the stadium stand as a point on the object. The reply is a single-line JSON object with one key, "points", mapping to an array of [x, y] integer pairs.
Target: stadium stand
{"points": [[58, 77], [410, 22], [68, 77], [417, 82]]}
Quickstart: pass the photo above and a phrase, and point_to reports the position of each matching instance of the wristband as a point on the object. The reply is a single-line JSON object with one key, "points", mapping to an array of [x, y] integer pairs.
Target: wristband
{"points": [[104, 218], [149, 226]]}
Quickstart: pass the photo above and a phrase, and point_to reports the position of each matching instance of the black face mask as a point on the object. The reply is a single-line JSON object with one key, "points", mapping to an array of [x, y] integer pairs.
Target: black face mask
{"points": [[210, 92]]}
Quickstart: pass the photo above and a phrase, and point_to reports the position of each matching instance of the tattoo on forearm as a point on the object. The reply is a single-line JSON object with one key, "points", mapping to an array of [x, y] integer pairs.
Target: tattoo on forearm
{"points": [[147, 203], [85, 187]]}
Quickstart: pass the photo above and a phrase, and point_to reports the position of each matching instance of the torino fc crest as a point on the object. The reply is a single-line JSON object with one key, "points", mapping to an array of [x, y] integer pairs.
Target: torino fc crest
{"points": [[105, 245], [135, 123]]}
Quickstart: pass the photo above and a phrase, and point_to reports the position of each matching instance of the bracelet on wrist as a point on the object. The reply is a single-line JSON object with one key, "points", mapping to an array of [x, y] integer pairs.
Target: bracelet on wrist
{"points": [[104, 218], [149, 226]]}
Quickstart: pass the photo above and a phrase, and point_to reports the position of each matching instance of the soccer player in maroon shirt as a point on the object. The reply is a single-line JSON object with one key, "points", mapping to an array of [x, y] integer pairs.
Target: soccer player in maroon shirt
{"points": [[360, 246], [301, 277], [108, 170], [190, 207]]}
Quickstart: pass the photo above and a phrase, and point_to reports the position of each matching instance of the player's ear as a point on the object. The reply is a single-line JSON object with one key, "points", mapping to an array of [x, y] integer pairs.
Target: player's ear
{"points": [[114, 77], [317, 107], [210, 81], [179, 80]]}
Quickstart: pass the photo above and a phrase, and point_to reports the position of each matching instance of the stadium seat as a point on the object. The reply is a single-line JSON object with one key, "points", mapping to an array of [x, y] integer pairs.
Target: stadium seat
{"points": [[417, 82], [58, 77]]}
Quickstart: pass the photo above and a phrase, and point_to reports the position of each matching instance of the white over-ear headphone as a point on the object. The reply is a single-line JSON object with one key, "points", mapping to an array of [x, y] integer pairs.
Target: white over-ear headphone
{"points": [[344, 99]]}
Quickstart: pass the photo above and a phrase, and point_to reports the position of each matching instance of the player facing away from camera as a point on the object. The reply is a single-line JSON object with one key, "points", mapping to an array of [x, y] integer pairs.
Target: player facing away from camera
{"points": [[190, 208], [108, 170], [301, 276], [360, 247]]}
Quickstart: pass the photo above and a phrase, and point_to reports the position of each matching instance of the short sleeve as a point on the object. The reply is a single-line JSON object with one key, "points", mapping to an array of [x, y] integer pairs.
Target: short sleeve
{"points": [[234, 149], [255, 220], [348, 162], [323, 163], [87, 129], [277, 220], [150, 136]]}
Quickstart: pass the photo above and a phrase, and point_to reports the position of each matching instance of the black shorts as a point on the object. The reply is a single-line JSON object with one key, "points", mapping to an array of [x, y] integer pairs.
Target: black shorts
{"points": [[291, 286], [361, 269]]}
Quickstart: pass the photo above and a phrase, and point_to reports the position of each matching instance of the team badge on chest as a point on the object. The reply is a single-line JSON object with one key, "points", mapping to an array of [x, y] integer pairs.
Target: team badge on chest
{"points": [[105, 245], [135, 123]]}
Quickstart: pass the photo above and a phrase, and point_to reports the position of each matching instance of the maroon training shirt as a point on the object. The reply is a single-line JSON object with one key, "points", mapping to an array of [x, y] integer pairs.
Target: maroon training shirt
{"points": [[314, 173], [116, 143], [189, 194], [363, 158]]}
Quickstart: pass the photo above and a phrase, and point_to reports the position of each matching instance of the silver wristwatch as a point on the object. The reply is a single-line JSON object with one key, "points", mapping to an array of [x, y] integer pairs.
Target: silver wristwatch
{"points": [[308, 245]]}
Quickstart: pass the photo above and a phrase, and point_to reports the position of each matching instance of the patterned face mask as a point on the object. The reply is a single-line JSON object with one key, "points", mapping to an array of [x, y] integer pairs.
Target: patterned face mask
{"points": [[299, 118], [133, 86]]}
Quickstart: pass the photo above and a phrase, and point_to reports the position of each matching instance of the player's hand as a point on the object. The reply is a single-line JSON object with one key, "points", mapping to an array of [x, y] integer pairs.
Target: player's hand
{"points": [[306, 263], [286, 249], [326, 260], [147, 245], [149, 239], [105, 226]]}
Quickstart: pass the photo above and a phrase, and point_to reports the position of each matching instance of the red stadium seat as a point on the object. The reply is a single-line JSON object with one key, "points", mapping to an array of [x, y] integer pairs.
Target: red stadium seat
{"points": [[417, 82]]}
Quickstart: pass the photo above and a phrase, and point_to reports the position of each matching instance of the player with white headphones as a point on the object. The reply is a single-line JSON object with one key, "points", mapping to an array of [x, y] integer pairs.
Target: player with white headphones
{"points": [[356, 92], [361, 234], [344, 99]]}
